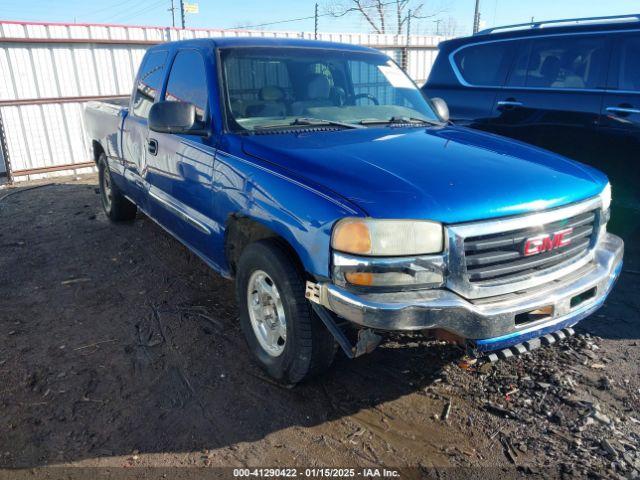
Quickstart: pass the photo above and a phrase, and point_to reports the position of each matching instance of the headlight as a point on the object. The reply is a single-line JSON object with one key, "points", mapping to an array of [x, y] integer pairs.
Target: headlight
{"points": [[387, 238], [422, 279], [606, 197], [389, 273]]}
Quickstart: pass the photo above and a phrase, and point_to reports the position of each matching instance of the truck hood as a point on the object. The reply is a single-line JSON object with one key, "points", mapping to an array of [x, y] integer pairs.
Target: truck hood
{"points": [[445, 174]]}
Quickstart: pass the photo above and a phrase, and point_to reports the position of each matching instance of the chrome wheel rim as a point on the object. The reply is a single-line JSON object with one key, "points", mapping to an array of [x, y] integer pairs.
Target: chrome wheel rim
{"points": [[107, 192], [266, 313]]}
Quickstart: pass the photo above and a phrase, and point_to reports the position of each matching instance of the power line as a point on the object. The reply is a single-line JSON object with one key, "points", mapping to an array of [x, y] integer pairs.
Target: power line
{"points": [[110, 7], [125, 14], [312, 17], [121, 16], [258, 25]]}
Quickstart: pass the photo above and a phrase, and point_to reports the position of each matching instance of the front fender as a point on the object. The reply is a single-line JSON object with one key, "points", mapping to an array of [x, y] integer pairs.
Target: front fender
{"points": [[302, 215]]}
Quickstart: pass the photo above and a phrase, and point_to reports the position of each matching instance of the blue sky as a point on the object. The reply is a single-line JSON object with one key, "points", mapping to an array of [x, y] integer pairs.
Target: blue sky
{"points": [[230, 14]]}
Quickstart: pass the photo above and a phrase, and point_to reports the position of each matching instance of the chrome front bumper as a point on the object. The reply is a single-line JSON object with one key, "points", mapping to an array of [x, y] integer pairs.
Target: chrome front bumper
{"points": [[491, 322]]}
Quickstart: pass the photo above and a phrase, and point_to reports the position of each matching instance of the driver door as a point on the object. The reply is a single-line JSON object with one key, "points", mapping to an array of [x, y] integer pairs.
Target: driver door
{"points": [[136, 131], [181, 170]]}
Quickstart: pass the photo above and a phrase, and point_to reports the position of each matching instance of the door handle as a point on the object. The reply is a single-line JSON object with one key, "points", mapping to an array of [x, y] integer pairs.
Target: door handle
{"points": [[509, 104], [620, 111], [152, 146]]}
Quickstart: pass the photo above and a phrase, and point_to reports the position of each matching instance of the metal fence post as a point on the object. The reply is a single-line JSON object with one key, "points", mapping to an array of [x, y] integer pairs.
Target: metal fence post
{"points": [[4, 152], [405, 50]]}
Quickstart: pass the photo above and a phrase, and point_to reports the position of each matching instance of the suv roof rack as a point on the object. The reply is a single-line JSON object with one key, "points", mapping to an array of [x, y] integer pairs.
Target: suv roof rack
{"points": [[630, 18]]}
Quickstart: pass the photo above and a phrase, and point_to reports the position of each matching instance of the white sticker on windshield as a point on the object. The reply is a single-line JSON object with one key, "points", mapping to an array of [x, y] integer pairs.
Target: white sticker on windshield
{"points": [[396, 77]]}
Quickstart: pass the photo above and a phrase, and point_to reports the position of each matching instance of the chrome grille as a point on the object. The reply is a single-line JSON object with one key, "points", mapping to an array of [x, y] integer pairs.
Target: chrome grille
{"points": [[499, 258]]}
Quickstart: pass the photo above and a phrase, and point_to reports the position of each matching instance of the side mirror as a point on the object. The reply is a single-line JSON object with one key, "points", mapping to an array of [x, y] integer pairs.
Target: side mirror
{"points": [[173, 117], [441, 108]]}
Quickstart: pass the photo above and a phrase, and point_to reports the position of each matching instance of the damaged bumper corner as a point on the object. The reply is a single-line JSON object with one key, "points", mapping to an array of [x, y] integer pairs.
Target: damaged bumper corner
{"points": [[487, 324]]}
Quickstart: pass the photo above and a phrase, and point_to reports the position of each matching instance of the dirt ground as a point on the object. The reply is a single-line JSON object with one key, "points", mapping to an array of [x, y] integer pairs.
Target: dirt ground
{"points": [[119, 348]]}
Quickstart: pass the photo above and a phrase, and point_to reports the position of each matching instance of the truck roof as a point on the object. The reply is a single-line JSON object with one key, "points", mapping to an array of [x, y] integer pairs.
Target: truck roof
{"points": [[228, 42]]}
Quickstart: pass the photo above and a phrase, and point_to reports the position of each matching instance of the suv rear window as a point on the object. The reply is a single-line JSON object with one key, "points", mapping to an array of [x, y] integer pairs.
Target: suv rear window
{"points": [[485, 65], [561, 62]]}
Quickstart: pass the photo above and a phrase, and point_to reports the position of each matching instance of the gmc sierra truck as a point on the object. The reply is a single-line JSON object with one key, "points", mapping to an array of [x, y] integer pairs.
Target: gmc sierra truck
{"points": [[345, 205]]}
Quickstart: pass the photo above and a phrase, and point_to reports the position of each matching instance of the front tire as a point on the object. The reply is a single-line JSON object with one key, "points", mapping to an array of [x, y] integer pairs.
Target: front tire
{"points": [[286, 338], [116, 206]]}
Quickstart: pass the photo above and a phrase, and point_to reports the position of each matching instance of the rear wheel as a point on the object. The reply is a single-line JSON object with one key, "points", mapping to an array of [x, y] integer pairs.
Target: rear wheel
{"points": [[117, 207], [281, 330]]}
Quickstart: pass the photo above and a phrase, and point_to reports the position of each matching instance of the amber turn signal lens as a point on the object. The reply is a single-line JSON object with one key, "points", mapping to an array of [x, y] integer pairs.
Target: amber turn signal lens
{"points": [[360, 278], [353, 237]]}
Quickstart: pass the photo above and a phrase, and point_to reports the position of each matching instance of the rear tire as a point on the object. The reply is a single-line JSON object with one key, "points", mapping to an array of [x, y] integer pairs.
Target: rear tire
{"points": [[290, 343], [116, 206]]}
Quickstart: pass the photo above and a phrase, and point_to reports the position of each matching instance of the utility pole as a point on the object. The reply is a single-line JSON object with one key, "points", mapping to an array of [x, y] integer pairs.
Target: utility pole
{"points": [[173, 14], [405, 50], [438, 22], [476, 18], [315, 30], [182, 12]]}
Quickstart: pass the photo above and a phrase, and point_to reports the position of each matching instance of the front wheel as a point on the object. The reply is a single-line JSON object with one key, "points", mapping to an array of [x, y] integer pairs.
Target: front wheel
{"points": [[117, 207], [281, 330]]}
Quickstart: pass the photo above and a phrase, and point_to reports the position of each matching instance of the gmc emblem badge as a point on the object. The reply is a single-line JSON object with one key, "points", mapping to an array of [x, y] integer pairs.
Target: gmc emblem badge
{"points": [[547, 242]]}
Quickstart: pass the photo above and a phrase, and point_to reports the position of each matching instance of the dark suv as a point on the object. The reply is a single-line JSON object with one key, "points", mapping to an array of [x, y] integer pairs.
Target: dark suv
{"points": [[571, 86]]}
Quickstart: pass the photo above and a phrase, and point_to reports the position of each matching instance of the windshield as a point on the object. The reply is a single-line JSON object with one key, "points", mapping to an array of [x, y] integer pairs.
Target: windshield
{"points": [[273, 87]]}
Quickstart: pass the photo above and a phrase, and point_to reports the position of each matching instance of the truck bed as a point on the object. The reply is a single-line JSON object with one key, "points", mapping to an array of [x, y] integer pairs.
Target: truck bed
{"points": [[103, 121]]}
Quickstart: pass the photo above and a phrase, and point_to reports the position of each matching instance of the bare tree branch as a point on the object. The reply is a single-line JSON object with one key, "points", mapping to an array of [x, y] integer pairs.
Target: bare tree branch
{"points": [[381, 14], [450, 27], [376, 14], [339, 9]]}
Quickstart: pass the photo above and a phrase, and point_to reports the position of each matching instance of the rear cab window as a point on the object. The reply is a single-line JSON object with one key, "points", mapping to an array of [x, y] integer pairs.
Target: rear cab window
{"points": [[258, 86], [149, 83], [369, 81]]}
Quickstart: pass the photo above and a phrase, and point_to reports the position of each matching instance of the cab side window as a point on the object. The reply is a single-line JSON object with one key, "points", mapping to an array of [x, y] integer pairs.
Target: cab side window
{"points": [[630, 64], [188, 82], [149, 83], [573, 63]]}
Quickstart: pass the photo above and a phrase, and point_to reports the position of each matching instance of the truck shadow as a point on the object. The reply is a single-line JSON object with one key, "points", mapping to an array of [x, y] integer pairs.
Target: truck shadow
{"points": [[620, 318], [119, 340]]}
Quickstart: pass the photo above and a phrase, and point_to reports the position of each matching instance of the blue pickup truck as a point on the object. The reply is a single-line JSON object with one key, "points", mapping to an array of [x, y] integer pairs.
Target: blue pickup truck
{"points": [[345, 205]]}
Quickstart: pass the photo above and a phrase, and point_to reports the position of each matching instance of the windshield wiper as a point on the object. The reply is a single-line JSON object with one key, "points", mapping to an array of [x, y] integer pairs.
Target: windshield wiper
{"points": [[307, 122], [322, 121], [399, 121]]}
